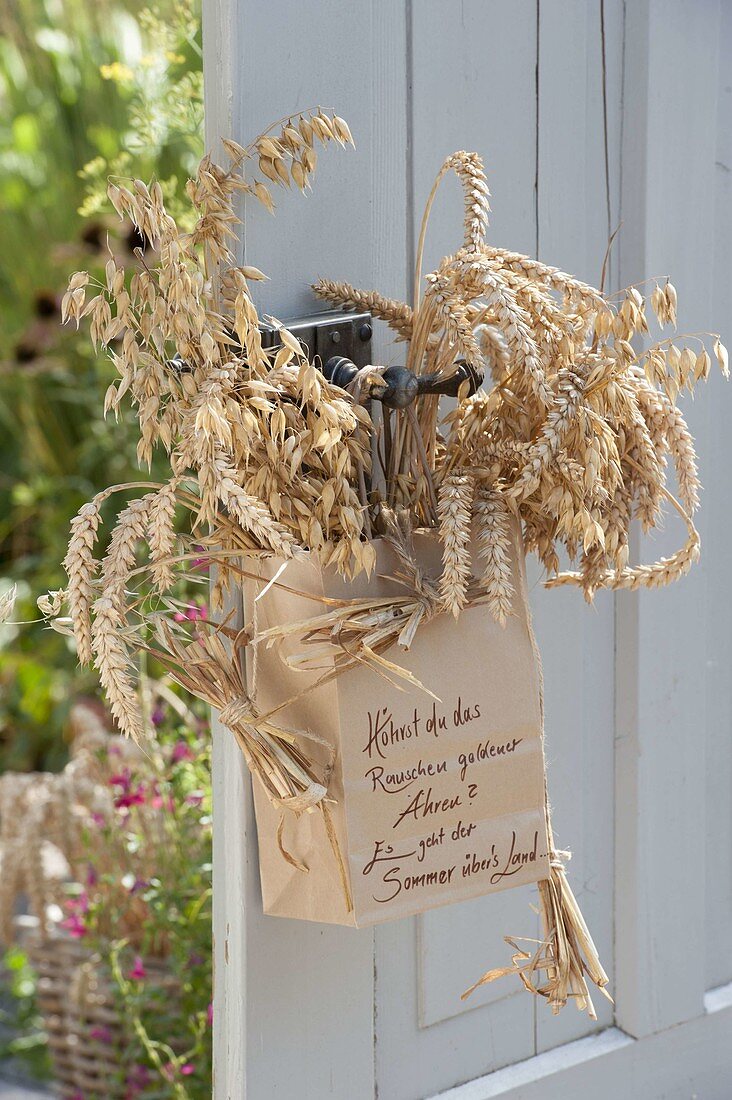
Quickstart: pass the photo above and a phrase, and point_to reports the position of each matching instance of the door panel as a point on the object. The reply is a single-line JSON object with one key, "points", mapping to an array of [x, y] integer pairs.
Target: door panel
{"points": [[463, 58], [466, 59], [573, 105], [717, 505], [455, 945], [578, 209], [294, 1001], [413, 1062], [483, 55]]}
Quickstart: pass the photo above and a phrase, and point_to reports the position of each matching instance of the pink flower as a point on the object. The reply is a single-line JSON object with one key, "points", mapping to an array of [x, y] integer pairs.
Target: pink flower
{"points": [[158, 715], [75, 926], [170, 1070], [80, 903], [202, 564], [209, 1014], [131, 797], [138, 971], [193, 613], [181, 751], [156, 800], [77, 908], [137, 1079], [101, 1034], [92, 878]]}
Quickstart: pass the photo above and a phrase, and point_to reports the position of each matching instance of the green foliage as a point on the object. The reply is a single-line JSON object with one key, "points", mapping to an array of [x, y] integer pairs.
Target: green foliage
{"points": [[167, 1050], [83, 83], [22, 1037], [162, 86], [142, 907], [89, 90], [55, 452], [86, 90]]}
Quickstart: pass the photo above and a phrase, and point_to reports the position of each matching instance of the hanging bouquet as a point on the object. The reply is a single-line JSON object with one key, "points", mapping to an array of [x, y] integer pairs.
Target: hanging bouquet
{"points": [[560, 423]]}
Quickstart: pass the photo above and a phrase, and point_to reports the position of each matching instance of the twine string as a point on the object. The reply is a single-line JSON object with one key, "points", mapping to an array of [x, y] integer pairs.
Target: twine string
{"points": [[567, 952]]}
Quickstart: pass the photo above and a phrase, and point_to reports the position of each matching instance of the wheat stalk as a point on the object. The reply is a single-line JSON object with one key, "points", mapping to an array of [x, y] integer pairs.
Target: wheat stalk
{"points": [[113, 662], [397, 314], [81, 567], [494, 550], [455, 499]]}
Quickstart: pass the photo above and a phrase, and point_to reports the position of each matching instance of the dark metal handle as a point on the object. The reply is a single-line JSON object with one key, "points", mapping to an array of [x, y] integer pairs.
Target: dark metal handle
{"points": [[403, 386]]}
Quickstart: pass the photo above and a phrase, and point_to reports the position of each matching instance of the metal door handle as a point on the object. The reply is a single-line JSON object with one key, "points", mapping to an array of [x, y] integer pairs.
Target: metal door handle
{"points": [[403, 386]]}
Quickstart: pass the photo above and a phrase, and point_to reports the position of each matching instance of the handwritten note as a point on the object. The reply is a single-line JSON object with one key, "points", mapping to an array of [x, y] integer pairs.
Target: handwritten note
{"points": [[441, 805]]}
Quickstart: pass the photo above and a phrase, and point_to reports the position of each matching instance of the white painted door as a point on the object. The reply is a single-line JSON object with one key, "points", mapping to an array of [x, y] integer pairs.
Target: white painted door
{"points": [[587, 114]]}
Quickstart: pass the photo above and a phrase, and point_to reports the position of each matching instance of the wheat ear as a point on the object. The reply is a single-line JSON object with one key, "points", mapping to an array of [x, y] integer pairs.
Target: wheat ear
{"points": [[251, 513], [397, 315], [453, 511], [161, 534], [113, 663], [660, 573], [119, 561], [81, 568], [559, 421], [514, 320], [494, 550]]}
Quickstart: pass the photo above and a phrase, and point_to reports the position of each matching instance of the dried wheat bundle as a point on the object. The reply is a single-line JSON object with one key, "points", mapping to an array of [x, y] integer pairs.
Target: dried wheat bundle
{"points": [[575, 429], [265, 454], [565, 418]]}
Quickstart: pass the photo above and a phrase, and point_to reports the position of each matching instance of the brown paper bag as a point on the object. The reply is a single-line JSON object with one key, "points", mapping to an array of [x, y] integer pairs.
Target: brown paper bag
{"points": [[434, 798]]}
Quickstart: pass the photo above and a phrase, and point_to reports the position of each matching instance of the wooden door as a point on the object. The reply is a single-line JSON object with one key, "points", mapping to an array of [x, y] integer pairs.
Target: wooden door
{"points": [[588, 114]]}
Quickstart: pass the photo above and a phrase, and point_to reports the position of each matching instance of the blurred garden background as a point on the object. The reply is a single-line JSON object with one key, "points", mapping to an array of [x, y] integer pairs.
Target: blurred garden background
{"points": [[88, 91]]}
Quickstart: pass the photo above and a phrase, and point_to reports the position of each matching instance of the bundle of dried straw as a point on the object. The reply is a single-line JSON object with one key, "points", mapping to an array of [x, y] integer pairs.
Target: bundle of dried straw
{"points": [[573, 433]]}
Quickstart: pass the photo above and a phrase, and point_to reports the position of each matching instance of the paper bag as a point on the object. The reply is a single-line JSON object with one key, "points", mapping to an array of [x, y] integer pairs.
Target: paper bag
{"points": [[435, 796]]}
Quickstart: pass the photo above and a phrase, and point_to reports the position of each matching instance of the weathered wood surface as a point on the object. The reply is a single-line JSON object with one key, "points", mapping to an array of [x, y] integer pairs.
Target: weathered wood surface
{"points": [[665, 670], [588, 114]]}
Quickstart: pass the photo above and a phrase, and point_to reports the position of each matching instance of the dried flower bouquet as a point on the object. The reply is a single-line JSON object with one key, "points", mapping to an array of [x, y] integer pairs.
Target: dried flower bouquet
{"points": [[572, 433]]}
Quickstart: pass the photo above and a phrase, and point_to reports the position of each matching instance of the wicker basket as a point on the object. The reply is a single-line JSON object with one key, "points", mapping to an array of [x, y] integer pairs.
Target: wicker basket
{"points": [[76, 1000]]}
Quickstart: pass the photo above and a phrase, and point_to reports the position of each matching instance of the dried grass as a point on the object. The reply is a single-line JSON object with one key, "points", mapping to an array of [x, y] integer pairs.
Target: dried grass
{"points": [[574, 433]]}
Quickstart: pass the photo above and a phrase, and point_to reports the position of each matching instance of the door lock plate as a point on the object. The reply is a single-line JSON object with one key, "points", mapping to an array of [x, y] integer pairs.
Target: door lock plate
{"points": [[326, 334]]}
